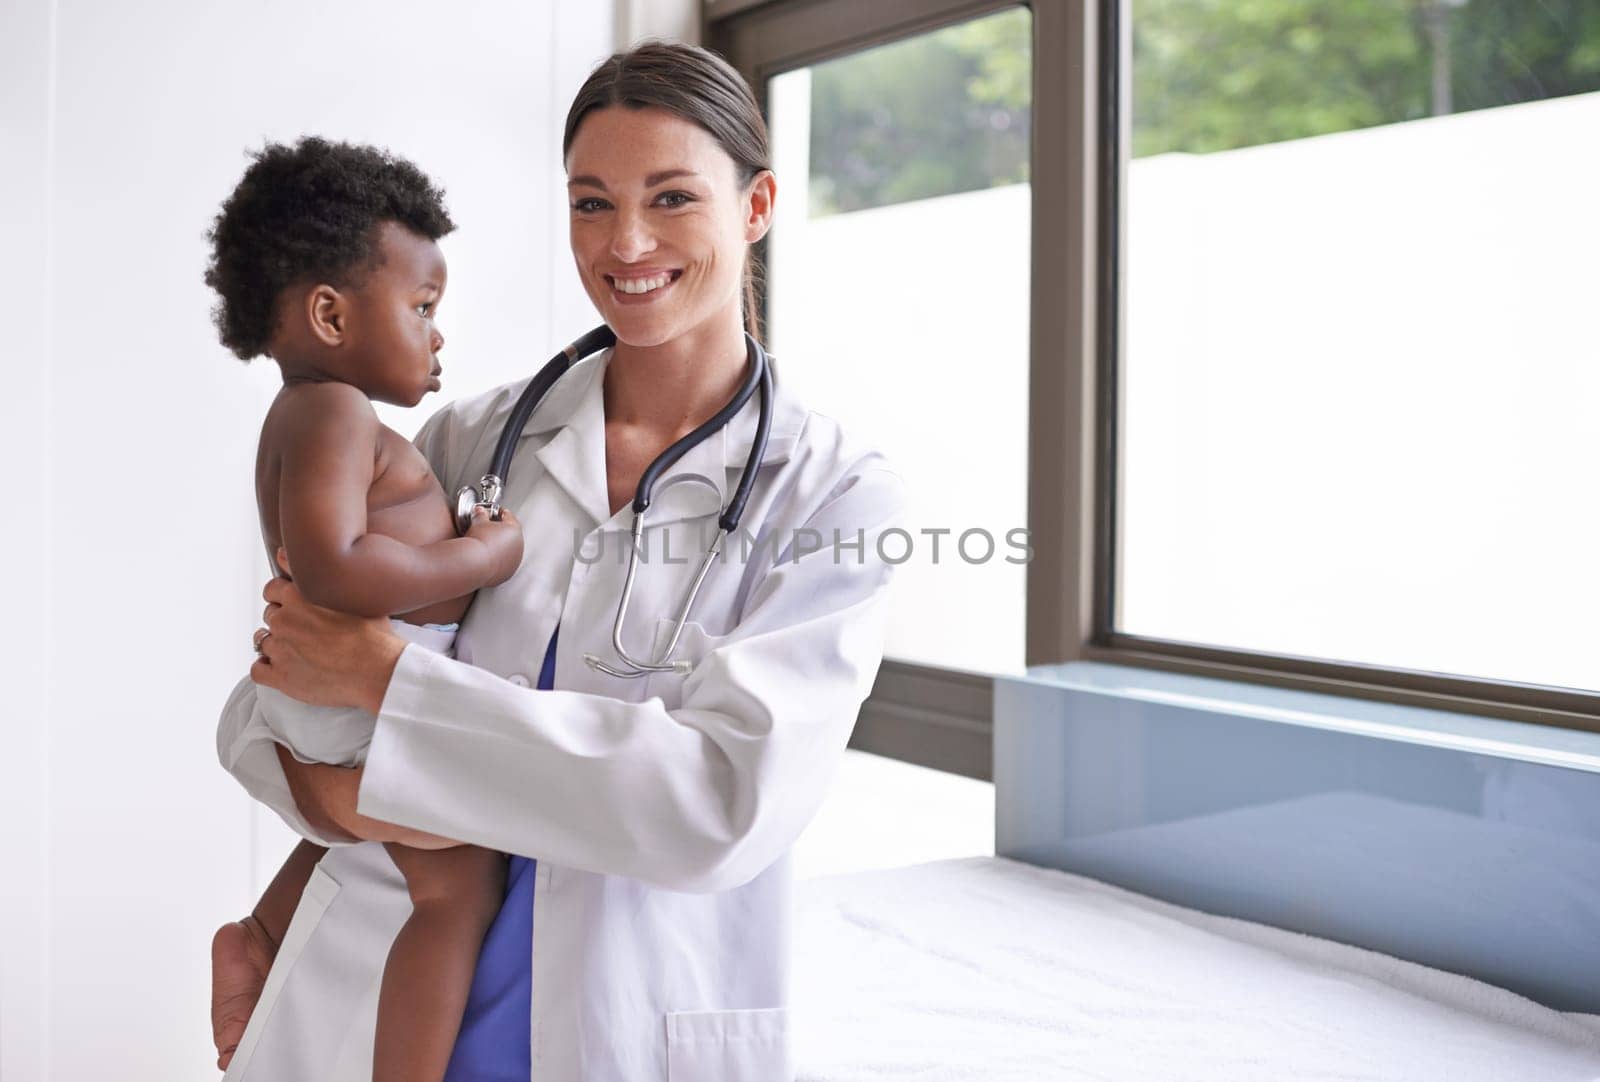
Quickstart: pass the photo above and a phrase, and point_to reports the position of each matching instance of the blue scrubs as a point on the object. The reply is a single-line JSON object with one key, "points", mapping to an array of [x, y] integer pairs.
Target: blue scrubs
{"points": [[496, 1042]]}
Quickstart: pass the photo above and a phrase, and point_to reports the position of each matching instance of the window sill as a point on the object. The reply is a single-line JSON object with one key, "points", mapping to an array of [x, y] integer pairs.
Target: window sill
{"points": [[1520, 741]]}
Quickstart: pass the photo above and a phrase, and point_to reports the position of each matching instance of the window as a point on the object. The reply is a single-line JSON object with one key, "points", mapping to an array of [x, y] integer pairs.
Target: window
{"points": [[897, 280], [1304, 392], [1360, 391]]}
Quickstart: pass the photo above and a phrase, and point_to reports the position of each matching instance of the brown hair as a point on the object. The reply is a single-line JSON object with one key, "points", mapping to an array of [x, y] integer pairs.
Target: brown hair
{"points": [[698, 86]]}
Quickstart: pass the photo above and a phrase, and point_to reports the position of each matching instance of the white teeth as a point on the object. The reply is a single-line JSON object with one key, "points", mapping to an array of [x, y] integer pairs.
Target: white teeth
{"points": [[641, 285]]}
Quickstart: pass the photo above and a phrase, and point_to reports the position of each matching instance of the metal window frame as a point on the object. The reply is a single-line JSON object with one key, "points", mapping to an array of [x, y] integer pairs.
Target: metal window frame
{"points": [[941, 717]]}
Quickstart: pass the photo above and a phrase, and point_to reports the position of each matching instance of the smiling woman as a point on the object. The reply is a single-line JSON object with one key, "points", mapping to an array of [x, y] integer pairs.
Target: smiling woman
{"points": [[644, 931]]}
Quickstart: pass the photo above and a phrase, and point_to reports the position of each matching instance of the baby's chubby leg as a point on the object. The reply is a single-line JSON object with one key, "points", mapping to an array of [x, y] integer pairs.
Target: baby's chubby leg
{"points": [[455, 896]]}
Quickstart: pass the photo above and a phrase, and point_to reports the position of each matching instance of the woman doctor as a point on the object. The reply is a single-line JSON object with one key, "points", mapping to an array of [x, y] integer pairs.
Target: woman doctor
{"points": [[645, 931]]}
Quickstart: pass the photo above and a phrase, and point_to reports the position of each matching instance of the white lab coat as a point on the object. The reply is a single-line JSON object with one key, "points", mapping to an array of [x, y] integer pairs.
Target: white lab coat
{"points": [[660, 810]]}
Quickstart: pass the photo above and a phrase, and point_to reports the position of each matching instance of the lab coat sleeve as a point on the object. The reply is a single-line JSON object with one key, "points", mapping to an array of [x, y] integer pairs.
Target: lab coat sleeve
{"points": [[700, 798], [435, 435]]}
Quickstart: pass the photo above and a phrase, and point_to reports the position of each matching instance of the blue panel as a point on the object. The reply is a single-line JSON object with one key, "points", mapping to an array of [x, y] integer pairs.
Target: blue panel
{"points": [[1467, 844]]}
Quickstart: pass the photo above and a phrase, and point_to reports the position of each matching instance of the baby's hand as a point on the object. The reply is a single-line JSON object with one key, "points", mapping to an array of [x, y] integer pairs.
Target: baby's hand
{"points": [[504, 540]]}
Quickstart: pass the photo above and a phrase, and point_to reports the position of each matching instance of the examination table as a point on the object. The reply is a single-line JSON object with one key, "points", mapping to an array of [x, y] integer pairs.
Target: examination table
{"points": [[987, 968]]}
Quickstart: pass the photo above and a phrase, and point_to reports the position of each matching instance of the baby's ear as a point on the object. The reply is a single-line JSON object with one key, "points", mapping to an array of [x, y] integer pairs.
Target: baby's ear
{"points": [[325, 309], [283, 561]]}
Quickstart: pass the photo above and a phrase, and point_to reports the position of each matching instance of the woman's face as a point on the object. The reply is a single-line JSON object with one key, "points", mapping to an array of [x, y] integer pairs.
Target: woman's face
{"points": [[660, 222]]}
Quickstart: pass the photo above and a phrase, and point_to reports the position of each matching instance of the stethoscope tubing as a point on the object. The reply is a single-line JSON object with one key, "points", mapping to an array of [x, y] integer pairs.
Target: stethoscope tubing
{"points": [[602, 337], [757, 380]]}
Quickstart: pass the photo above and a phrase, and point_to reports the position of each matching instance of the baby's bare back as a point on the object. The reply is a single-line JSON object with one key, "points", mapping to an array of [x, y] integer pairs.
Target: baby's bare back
{"points": [[404, 500]]}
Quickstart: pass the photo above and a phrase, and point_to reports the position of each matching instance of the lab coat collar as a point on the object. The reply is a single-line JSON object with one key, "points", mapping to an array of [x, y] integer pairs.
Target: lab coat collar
{"points": [[576, 457]]}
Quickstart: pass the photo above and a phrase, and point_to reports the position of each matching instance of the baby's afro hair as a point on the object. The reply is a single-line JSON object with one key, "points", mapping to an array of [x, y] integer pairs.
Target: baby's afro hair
{"points": [[308, 212]]}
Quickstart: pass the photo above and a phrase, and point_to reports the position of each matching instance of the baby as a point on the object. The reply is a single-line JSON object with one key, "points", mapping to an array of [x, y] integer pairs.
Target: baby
{"points": [[325, 259]]}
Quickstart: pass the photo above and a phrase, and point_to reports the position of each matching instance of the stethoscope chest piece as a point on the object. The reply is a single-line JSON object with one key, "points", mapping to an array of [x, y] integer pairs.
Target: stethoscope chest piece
{"points": [[485, 494]]}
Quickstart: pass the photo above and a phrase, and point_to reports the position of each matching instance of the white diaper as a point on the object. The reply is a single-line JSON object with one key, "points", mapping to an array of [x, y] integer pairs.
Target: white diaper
{"points": [[313, 734]]}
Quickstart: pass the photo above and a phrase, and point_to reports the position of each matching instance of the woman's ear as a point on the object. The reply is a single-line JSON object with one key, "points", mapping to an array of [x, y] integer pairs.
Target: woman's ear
{"points": [[763, 194], [326, 312]]}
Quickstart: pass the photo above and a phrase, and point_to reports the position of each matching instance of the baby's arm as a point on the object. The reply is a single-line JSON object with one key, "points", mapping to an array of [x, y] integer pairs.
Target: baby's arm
{"points": [[330, 446]]}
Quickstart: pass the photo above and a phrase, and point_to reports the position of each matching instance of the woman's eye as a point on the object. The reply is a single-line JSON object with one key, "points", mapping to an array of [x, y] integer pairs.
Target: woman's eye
{"points": [[674, 199], [588, 206]]}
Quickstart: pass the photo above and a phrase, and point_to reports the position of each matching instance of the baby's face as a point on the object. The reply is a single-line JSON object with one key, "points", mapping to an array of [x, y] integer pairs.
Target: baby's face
{"points": [[395, 343]]}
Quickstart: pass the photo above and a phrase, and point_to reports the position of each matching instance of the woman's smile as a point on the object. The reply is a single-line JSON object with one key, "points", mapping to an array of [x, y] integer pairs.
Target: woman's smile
{"points": [[641, 286]]}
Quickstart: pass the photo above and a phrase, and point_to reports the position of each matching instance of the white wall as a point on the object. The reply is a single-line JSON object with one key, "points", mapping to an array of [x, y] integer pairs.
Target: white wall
{"points": [[673, 20], [25, 445], [131, 548]]}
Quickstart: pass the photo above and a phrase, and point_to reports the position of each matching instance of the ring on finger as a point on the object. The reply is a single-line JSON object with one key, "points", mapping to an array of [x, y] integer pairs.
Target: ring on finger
{"points": [[259, 637]]}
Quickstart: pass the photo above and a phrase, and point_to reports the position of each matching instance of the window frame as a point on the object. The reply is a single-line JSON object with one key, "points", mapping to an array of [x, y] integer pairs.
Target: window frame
{"points": [[941, 717]]}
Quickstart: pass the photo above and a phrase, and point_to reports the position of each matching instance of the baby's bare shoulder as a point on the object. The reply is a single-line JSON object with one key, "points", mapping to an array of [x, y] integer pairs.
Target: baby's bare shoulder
{"points": [[320, 413]]}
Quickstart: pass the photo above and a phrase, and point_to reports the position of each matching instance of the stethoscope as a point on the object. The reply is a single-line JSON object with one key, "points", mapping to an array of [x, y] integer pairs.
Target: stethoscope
{"points": [[487, 492]]}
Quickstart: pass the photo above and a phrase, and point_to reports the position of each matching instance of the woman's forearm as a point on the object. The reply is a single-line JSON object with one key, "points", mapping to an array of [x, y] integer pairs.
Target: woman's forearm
{"points": [[309, 800]]}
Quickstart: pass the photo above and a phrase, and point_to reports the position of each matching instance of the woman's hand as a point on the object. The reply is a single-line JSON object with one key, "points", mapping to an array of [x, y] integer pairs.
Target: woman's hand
{"points": [[321, 656], [326, 796]]}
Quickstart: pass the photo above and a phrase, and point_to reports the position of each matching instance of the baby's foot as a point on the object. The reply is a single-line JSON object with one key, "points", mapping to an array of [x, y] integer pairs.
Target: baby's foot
{"points": [[241, 955]]}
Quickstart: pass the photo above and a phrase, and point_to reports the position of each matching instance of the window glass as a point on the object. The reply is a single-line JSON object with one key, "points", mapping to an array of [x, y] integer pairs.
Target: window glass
{"points": [[1360, 387], [898, 301]]}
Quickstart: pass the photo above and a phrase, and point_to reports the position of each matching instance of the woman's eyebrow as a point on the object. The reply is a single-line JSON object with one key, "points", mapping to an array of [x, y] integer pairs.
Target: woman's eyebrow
{"points": [[667, 174], [587, 181]]}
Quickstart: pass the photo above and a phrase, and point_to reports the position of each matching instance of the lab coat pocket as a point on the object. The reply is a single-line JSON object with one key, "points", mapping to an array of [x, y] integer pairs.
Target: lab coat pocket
{"points": [[729, 1046]]}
